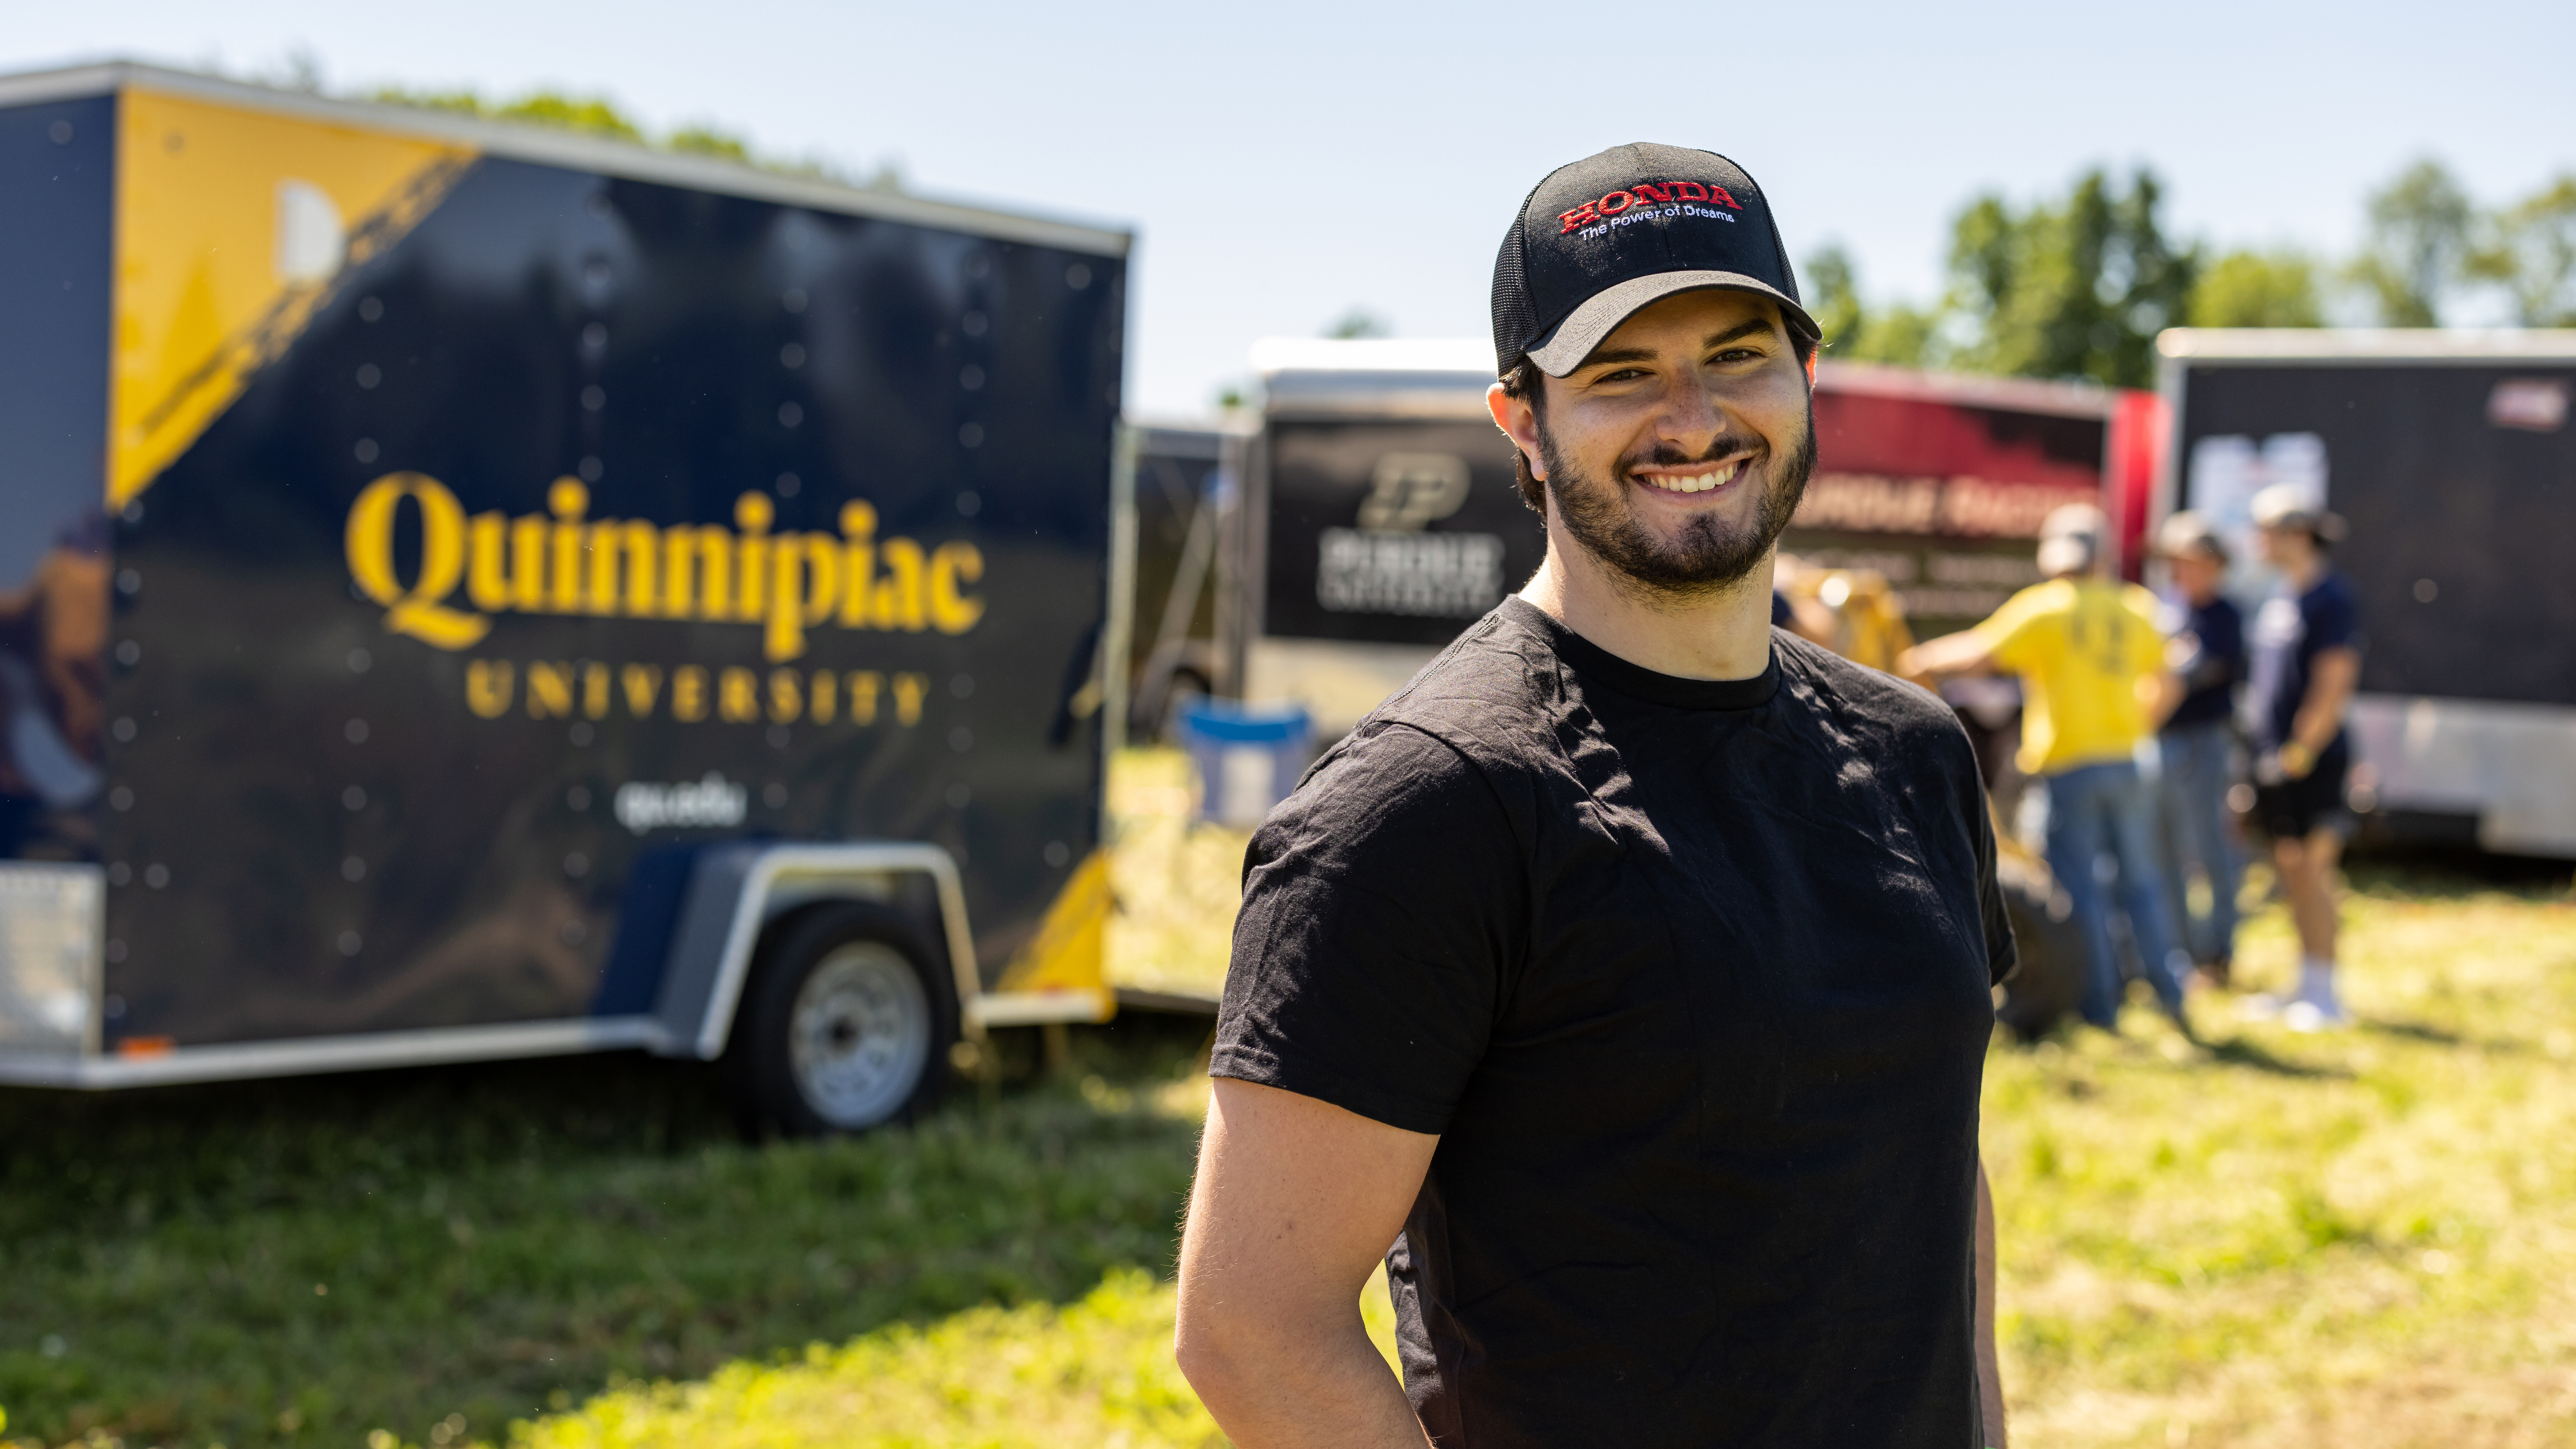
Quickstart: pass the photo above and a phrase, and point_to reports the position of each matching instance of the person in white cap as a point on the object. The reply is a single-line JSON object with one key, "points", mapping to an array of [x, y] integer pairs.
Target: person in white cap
{"points": [[2092, 666], [2306, 644]]}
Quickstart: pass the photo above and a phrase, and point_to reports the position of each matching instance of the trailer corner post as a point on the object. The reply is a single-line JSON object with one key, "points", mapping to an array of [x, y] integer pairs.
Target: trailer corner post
{"points": [[1121, 611]]}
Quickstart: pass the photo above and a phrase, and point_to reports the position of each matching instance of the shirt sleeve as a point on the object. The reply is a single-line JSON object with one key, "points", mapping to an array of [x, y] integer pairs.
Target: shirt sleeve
{"points": [[2009, 633], [2332, 620], [2003, 953], [1383, 904]]}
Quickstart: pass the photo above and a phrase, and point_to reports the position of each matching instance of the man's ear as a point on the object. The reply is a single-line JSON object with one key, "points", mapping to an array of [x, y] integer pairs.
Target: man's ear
{"points": [[1811, 368], [1519, 422]]}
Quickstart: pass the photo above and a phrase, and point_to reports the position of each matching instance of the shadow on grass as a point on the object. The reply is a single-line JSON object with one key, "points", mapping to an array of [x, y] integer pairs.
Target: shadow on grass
{"points": [[2240, 1051], [302, 1261]]}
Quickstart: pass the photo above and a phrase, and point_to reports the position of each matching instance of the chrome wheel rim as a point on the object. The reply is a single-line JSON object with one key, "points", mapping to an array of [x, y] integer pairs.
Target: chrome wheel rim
{"points": [[860, 1035]]}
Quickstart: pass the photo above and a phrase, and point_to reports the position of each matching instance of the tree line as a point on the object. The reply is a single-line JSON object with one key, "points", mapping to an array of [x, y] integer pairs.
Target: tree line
{"points": [[2078, 286]]}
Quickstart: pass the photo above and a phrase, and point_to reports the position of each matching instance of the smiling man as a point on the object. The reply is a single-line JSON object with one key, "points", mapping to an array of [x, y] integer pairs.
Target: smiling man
{"points": [[1628, 970]]}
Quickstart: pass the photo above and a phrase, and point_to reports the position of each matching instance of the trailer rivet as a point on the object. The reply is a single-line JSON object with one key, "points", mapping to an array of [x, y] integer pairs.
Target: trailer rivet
{"points": [[119, 873], [353, 870], [788, 483], [356, 730], [961, 739], [778, 736], [970, 377], [793, 299], [790, 414], [792, 356], [1077, 276], [120, 798], [115, 952], [972, 435], [359, 660], [962, 686], [774, 796], [129, 582], [580, 734], [365, 451], [1057, 853], [123, 729], [590, 470], [369, 309], [960, 795], [369, 375], [349, 943], [574, 933], [113, 1008], [970, 503], [353, 799], [129, 654], [61, 132], [594, 397], [576, 865], [594, 337], [156, 875], [2426, 591], [973, 323], [133, 512]]}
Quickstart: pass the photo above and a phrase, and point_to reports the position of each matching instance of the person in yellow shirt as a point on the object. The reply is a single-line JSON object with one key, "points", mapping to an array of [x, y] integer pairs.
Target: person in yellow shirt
{"points": [[2094, 686]]}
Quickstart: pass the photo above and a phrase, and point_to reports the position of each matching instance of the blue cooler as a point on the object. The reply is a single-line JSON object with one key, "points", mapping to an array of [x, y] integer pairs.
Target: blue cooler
{"points": [[1248, 756]]}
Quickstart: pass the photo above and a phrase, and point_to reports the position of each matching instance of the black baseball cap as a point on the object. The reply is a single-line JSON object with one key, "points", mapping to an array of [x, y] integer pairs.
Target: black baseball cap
{"points": [[1602, 237]]}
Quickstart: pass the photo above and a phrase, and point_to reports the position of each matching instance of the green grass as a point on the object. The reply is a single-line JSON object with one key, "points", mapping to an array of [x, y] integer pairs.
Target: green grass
{"points": [[2364, 1239], [303, 1262], [2361, 1238]]}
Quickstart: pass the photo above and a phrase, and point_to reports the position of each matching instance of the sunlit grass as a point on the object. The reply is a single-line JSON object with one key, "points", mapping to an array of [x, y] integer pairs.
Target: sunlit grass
{"points": [[1176, 880], [2360, 1238]]}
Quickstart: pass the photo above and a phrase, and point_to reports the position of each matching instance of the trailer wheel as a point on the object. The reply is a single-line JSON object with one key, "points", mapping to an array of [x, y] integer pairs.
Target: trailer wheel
{"points": [[843, 1025]]}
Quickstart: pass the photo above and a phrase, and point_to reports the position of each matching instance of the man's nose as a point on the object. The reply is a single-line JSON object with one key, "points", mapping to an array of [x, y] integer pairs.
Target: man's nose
{"points": [[1691, 417]]}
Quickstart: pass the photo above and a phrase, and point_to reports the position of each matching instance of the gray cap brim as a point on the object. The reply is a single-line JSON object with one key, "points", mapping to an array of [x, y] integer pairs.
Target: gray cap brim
{"points": [[1564, 349]]}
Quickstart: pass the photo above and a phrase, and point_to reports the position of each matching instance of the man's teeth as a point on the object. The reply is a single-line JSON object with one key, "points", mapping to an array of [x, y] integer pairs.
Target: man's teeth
{"points": [[1696, 482]]}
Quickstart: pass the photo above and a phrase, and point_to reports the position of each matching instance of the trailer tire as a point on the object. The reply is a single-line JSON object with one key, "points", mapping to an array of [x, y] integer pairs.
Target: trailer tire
{"points": [[844, 1024]]}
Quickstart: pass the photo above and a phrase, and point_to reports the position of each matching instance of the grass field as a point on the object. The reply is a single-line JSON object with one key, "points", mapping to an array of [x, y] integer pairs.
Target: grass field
{"points": [[2360, 1239]]}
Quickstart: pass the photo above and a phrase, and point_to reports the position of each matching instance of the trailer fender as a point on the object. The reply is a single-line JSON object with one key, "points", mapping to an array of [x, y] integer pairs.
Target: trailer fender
{"points": [[736, 889]]}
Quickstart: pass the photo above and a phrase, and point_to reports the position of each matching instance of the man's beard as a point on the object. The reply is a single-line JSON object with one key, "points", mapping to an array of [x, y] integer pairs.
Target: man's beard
{"points": [[1709, 554]]}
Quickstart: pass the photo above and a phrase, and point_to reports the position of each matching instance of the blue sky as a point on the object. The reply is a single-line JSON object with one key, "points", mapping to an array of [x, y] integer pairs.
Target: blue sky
{"points": [[1283, 164]]}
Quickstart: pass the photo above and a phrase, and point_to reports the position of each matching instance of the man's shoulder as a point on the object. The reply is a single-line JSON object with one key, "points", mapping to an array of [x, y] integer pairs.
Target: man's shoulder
{"points": [[1488, 690], [1859, 691]]}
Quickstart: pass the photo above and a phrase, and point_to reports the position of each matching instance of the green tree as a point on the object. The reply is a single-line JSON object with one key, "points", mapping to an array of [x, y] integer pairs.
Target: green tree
{"points": [[1854, 331], [2417, 249], [2258, 289], [2531, 253], [2076, 288], [1357, 323]]}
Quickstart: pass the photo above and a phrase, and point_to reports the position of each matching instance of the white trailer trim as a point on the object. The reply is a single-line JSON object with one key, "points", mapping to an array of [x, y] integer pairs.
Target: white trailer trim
{"points": [[2472, 757], [368, 1052], [569, 149]]}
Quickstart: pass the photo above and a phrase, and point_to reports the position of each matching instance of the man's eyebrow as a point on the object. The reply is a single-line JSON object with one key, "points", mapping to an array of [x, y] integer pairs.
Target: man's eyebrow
{"points": [[1759, 326]]}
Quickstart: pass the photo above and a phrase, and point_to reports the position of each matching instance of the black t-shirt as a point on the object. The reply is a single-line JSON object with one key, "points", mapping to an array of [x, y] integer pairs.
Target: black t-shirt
{"points": [[1692, 979], [2290, 631], [2213, 661]]}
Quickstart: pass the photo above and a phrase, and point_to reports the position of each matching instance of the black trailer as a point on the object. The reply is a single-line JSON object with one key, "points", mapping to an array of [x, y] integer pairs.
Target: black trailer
{"points": [[2451, 456], [469, 591]]}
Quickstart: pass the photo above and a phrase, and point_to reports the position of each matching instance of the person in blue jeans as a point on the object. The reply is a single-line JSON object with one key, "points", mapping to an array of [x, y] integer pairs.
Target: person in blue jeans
{"points": [[2093, 678], [2197, 745]]}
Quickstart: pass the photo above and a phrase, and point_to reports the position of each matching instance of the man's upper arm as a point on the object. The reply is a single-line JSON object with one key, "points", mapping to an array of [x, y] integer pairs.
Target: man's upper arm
{"points": [[1295, 1199]]}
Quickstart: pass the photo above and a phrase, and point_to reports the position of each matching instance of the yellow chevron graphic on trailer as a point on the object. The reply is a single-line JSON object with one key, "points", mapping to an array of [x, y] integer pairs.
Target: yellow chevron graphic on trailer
{"points": [[1068, 951], [232, 228]]}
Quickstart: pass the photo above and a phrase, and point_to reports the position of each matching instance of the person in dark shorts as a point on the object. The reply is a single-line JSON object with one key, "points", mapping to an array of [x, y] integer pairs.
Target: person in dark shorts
{"points": [[1628, 970], [2196, 745], [2307, 645]]}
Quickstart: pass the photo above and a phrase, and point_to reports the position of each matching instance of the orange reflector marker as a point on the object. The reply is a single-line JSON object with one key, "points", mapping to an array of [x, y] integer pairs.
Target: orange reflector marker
{"points": [[145, 1046]]}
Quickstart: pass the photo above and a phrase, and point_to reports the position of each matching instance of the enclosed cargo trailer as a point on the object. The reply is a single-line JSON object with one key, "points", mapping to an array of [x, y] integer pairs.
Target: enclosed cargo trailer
{"points": [[2450, 455], [469, 591]]}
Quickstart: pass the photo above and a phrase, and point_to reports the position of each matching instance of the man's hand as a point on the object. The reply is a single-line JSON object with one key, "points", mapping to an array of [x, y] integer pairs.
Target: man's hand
{"points": [[1927, 664], [1295, 1202]]}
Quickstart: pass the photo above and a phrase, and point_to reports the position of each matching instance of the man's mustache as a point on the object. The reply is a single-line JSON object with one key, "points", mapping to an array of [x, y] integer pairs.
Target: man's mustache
{"points": [[1665, 455]]}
